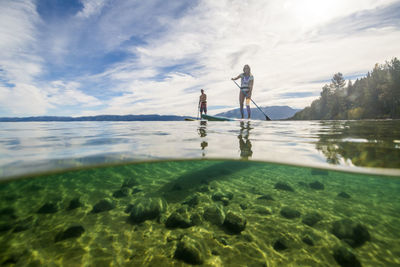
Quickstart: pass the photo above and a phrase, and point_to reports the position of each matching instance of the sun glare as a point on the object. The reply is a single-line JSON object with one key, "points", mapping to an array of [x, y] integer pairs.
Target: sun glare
{"points": [[310, 12]]}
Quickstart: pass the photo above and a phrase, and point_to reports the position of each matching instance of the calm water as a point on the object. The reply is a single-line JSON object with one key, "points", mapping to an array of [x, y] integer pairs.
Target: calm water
{"points": [[27, 148], [214, 194]]}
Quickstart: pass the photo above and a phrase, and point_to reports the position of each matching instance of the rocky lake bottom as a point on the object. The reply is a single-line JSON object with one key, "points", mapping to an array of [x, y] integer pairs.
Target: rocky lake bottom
{"points": [[200, 212]]}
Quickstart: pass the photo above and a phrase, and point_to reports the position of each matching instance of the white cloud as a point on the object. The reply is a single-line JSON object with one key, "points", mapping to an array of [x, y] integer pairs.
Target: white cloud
{"points": [[278, 39], [23, 100], [288, 44], [63, 94], [91, 7]]}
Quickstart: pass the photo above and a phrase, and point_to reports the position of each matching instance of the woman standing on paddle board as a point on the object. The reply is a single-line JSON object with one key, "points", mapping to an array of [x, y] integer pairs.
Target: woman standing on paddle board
{"points": [[247, 81]]}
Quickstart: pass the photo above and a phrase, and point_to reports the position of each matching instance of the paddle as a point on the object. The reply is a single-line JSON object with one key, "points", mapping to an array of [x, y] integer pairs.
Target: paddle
{"points": [[266, 117], [198, 111]]}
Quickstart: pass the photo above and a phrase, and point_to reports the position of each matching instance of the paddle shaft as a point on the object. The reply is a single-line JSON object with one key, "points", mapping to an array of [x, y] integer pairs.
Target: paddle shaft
{"points": [[266, 117]]}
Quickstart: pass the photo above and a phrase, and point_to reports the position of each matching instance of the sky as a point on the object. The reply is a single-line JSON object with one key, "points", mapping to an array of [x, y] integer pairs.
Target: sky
{"points": [[95, 57]]}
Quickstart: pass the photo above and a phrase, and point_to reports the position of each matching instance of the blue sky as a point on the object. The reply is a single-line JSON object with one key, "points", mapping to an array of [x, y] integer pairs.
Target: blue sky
{"points": [[91, 57]]}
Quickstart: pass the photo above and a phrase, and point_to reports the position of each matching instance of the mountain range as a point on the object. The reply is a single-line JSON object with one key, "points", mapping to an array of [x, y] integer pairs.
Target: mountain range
{"points": [[274, 112]]}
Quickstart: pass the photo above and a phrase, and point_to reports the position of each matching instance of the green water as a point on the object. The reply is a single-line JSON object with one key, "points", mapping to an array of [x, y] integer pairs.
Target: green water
{"points": [[36, 212]]}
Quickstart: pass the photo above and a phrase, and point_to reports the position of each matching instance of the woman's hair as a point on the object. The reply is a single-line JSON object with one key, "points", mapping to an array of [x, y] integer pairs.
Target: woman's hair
{"points": [[247, 66]]}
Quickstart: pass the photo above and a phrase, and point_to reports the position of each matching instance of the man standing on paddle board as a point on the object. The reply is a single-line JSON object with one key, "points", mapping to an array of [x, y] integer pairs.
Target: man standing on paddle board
{"points": [[203, 103], [246, 87]]}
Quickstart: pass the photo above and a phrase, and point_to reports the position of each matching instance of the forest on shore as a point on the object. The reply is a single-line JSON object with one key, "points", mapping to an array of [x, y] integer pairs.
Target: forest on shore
{"points": [[376, 96]]}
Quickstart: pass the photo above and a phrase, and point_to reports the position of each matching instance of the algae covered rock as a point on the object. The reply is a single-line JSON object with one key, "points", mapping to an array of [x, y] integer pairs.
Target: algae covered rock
{"points": [[48, 208], [214, 214], [129, 182], [71, 232], [123, 192], [147, 209], [190, 251], [345, 257], [355, 234], [280, 244], [74, 204], [317, 185], [102, 205], [266, 197], [312, 218], [7, 214], [192, 201], [179, 219], [290, 213], [344, 195], [283, 186], [235, 222]]}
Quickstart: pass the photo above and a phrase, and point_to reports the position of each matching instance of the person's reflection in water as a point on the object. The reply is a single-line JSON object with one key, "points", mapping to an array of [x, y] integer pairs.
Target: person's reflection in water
{"points": [[202, 130], [244, 141]]}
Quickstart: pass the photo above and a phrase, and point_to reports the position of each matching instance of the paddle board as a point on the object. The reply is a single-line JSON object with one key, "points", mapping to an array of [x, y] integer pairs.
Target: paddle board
{"points": [[215, 118]]}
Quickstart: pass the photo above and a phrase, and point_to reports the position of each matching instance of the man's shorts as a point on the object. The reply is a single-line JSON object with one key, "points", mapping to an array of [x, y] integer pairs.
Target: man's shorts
{"points": [[203, 107]]}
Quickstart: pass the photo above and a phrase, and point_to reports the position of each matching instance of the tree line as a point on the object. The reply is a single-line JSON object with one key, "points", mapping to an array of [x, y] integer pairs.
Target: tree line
{"points": [[376, 96]]}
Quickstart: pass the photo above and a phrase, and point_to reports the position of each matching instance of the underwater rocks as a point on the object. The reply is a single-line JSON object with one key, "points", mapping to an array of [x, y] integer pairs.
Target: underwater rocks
{"points": [[130, 182], [23, 225], [355, 234], [235, 222], [48, 208], [74, 204], [265, 197], [280, 245], [214, 214], [345, 257], [102, 205], [262, 210], [5, 227], [190, 250], [192, 202], [146, 209], [223, 197], [8, 214], [317, 185], [344, 195], [312, 218], [179, 219], [71, 232], [290, 213], [283, 186], [123, 192], [307, 240]]}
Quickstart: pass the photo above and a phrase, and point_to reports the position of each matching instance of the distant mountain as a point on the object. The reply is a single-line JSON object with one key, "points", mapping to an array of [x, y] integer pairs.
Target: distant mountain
{"points": [[274, 112], [152, 117]]}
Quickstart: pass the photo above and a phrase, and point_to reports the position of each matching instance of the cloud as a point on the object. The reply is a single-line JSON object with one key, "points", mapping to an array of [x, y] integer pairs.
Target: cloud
{"points": [[23, 100], [91, 8], [129, 57]]}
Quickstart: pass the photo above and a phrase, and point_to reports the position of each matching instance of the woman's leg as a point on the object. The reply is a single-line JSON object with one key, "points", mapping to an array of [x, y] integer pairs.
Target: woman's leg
{"points": [[248, 108], [241, 100]]}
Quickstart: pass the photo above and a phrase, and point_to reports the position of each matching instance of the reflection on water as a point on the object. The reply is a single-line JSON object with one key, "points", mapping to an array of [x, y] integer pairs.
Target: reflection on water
{"points": [[363, 143], [202, 130], [244, 141], [27, 148]]}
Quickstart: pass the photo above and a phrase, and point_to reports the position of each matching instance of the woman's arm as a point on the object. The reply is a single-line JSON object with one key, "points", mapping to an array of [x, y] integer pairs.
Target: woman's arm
{"points": [[233, 79], [250, 88]]}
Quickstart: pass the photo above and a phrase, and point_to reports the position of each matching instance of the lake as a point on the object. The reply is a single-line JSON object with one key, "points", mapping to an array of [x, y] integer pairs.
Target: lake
{"points": [[240, 193]]}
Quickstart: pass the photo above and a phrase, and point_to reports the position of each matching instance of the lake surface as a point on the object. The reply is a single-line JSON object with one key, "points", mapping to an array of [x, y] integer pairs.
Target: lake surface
{"points": [[31, 147], [249, 193]]}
